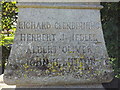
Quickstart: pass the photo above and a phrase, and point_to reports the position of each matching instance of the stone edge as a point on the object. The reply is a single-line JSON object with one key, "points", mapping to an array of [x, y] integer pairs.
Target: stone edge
{"points": [[58, 6]]}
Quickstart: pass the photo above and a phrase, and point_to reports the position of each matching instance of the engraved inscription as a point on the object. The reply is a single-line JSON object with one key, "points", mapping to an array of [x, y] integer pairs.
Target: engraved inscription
{"points": [[76, 49], [37, 37], [61, 53], [58, 25], [53, 37]]}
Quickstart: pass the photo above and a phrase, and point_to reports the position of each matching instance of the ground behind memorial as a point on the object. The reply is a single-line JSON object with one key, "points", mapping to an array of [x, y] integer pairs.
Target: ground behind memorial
{"points": [[3, 85]]}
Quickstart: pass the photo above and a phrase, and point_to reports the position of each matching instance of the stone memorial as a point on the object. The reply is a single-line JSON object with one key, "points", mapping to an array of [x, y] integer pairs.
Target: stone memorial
{"points": [[58, 44]]}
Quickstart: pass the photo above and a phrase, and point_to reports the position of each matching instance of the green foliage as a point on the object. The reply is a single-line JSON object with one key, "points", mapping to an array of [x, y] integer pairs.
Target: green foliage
{"points": [[7, 40], [8, 21], [111, 26], [9, 15]]}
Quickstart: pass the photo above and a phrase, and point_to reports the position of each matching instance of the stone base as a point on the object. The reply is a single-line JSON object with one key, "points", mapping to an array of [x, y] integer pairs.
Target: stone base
{"points": [[89, 87], [66, 86]]}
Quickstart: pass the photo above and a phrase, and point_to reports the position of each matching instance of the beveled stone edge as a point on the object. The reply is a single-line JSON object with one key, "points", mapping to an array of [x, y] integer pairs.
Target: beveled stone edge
{"points": [[58, 6], [57, 80], [66, 0], [63, 86]]}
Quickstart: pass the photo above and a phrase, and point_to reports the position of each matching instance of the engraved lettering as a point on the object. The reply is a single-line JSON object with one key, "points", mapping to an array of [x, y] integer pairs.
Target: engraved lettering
{"points": [[59, 25], [37, 37]]}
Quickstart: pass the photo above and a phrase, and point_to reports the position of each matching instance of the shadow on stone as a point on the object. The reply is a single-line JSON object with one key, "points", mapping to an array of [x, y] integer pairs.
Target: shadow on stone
{"points": [[113, 84]]}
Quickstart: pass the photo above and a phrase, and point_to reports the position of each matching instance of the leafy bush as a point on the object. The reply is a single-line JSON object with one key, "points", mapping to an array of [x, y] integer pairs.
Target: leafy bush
{"points": [[8, 22], [111, 26], [8, 14]]}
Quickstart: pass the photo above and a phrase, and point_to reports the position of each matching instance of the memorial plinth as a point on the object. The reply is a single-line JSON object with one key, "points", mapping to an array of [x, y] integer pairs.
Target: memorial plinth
{"points": [[58, 44]]}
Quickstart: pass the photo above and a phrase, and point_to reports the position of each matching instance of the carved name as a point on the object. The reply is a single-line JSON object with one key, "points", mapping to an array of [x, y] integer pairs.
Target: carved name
{"points": [[58, 25], [52, 37]]}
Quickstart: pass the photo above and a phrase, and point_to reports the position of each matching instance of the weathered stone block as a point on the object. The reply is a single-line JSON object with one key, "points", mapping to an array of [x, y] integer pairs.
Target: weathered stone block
{"points": [[58, 44]]}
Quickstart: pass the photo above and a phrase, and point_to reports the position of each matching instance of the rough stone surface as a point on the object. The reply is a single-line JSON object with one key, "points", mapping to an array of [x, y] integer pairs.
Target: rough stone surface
{"points": [[66, 86], [58, 46]]}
